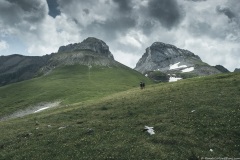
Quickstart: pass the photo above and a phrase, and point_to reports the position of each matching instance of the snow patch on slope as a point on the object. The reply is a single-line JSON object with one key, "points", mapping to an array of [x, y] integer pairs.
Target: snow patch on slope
{"points": [[174, 79], [176, 66], [31, 110], [41, 109], [188, 69]]}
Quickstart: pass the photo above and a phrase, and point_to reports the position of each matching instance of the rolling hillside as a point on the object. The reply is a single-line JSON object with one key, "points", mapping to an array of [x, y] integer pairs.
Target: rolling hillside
{"points": [[68, 84], [192, 118]]}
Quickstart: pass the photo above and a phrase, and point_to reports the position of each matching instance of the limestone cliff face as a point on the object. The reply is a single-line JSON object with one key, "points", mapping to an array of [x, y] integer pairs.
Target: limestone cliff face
{"points": [[92, 44], [90, 52], [82, 57], [169, 59]]}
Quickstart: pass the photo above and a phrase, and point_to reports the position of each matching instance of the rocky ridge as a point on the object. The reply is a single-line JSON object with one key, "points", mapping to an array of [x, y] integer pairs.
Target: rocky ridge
{"points": [[91, 51], [159, 62], [222, 69], [237, 70], [172, 61], [91, 43]]}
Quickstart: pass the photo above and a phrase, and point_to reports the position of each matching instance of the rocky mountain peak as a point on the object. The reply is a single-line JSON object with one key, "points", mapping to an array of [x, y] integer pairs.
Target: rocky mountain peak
{"points": [[90, 52], [168, 50], [158, 45], [96, 45], [159, 56], [169, 59]]}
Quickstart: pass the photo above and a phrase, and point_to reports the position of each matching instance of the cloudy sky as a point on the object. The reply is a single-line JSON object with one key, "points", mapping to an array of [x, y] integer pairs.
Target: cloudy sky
{"points": [[208, 28]]}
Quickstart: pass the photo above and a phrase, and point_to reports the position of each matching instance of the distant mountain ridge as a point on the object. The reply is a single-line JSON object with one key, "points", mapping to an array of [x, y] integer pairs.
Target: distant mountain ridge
{"points": [[15, 68], [159, 57], [91, 51], [174, 62]]}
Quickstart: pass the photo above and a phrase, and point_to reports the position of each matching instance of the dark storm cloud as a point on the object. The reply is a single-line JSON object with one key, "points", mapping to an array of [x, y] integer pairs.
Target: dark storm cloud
{"points": [[26, 5], [67, 3], [105, 19], [198, 29], [167, 12], [120, 24], [53, 8], [226, 11], [16, 12], [147, 27], [86, 11], [196, 0], [111, 27], [124, 5]]}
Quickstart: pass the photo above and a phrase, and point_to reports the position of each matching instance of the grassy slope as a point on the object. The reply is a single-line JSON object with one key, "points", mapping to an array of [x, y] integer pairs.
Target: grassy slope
{"points": [[111, 128], [68, 84]]}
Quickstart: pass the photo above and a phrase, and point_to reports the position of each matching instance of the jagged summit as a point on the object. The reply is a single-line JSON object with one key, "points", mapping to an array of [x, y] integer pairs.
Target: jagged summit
{"points": [[171, 60], [158, 45], [96, 45], [159, 56], [169, 50], [90, 52]]}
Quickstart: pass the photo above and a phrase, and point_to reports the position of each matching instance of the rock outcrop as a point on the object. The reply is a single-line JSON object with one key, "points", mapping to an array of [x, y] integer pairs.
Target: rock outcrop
{"points": [[237, 70], [91, 43], [90, 52], [171, 60], [222, 69]]}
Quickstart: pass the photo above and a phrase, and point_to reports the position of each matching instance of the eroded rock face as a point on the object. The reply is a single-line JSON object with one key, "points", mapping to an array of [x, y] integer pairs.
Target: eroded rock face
{"points": [[82, 57], [90, 52], [237, 70], [91, 43], [162, 57], [222, 69]]}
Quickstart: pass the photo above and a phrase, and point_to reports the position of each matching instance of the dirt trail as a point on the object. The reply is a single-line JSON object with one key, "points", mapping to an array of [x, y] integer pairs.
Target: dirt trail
{"points": [[31, 110]]}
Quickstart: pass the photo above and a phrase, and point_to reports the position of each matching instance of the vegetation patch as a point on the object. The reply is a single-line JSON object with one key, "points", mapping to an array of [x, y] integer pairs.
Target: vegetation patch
{"points": [[192, 118], [68, 84]]}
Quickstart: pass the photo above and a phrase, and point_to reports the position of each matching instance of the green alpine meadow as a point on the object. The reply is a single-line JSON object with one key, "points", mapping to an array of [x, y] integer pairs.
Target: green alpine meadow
{"points": [[103, 113]]}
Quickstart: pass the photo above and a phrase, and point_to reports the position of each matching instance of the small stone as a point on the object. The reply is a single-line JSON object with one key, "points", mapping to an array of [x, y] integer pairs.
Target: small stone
{"points": [[62, 127]]}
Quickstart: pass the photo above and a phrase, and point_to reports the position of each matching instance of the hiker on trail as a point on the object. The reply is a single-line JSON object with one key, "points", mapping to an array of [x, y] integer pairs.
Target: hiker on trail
{"points": [[141, 85]]}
